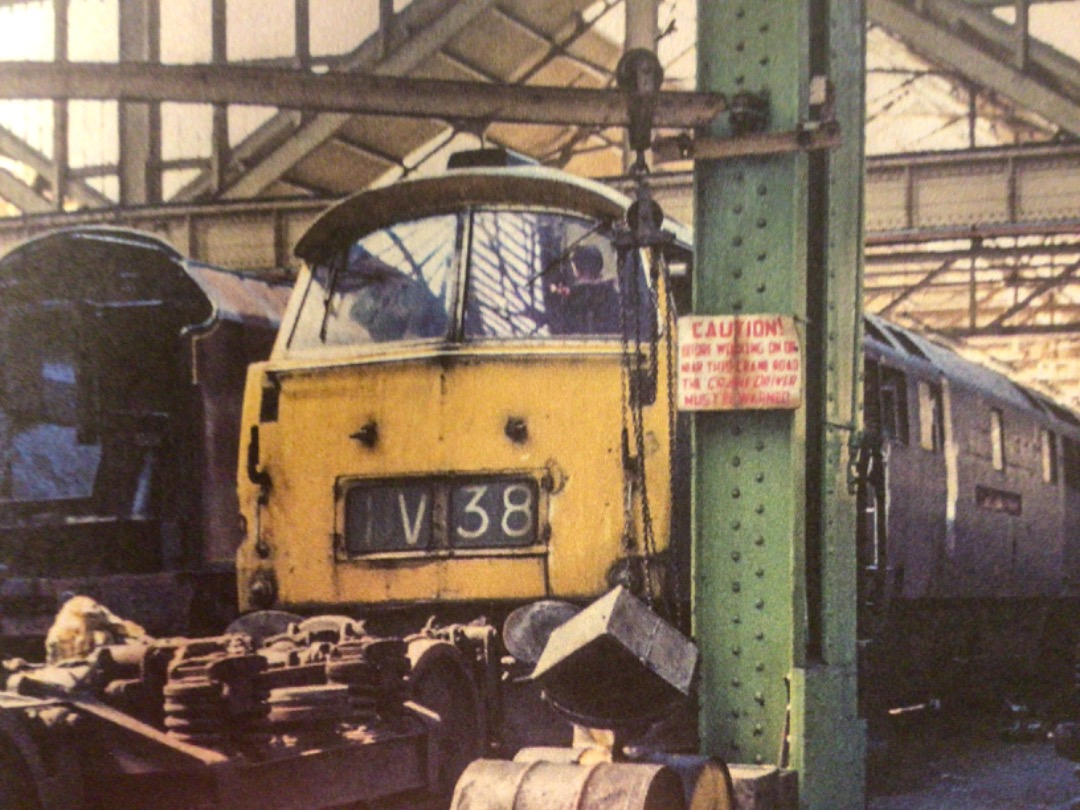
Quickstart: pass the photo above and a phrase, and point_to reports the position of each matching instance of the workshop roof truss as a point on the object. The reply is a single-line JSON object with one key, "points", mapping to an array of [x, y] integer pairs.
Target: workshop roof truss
{"points": [[980, 287]]}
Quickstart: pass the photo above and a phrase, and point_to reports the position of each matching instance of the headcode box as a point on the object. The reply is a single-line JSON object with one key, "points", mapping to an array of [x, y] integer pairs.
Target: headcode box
{"points": [[739, 362]]}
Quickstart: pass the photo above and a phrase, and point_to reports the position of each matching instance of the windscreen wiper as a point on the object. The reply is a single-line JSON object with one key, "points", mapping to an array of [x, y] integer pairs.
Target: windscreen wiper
{"points": [[331, 285]]}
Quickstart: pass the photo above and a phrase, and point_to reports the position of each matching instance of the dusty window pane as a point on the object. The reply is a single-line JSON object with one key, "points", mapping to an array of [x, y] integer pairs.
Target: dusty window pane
{"points": [[997, 439], [931, 417], [391, 285], [545, 275], [1048, 446]]}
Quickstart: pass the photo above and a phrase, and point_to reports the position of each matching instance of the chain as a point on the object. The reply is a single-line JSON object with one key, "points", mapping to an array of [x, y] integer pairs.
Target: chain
{"points": [[638, 414], [631, 410], [670, 326], [628, 480]]}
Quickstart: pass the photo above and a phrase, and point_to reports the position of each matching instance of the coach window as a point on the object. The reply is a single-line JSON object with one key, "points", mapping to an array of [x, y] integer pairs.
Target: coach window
{"points": [[886, 411], [997, 439], [1048, 447], [931, 417], [42, 454], [894, 410], [1071, 459]]}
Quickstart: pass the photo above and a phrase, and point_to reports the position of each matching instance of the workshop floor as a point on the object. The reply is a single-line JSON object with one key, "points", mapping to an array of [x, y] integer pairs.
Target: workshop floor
{"points": [[938, 764]]}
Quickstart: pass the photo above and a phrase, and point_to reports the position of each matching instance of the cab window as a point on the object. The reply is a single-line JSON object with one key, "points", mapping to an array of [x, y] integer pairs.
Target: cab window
{"points": [[392, 285], [885, 396], [1049, 452], [1070, 451], [546, 275], [997, 438], [528, 275]]}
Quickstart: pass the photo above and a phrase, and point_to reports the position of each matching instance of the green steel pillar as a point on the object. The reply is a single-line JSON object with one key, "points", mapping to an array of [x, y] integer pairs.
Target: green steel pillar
{"points": [[775, 568]]}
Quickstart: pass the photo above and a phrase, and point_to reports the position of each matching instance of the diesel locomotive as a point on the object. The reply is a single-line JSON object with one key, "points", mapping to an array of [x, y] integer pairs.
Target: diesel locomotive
{"points": [[122, 377], [456, 412], [969, 538]]}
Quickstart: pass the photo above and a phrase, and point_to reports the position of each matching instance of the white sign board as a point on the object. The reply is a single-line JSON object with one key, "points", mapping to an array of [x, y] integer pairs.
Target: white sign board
{"points": [[739, 362]]}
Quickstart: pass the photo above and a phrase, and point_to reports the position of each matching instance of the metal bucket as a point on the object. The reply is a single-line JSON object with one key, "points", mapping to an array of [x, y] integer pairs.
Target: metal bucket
{"points": [[498, 785]]}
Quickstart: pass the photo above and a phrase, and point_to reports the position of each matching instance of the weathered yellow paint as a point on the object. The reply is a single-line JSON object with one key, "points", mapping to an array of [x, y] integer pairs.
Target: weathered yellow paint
{"points": [[444, 413], [441, 408]]}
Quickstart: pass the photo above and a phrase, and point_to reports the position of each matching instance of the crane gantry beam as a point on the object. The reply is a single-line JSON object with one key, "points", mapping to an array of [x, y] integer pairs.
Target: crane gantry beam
{"points": [[335, 92]]}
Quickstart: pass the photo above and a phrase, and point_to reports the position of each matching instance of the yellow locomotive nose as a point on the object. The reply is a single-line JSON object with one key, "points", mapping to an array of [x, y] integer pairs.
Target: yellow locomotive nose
{"points": [[465, 404]]}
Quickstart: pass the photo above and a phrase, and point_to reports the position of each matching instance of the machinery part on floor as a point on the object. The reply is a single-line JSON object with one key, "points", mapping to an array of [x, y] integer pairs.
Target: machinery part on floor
{"points": [[527, 629], [440, 681], [497, 785], [260, 625], [706, 781], [314, 716], [83, 625], [616, 664]]}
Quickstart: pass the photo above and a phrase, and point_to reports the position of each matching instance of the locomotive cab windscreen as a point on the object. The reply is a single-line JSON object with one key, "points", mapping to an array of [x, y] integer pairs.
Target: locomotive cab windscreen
{"points": [[485, 273], [449, 412]]}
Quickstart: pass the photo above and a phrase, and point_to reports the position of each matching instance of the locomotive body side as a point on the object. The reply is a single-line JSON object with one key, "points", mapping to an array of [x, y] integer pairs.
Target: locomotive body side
{"points": [[976, 590], [123, 375]]}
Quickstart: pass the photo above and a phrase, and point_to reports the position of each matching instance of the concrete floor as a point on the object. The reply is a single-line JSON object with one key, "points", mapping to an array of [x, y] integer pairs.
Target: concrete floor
{"points": [[938, 764]]}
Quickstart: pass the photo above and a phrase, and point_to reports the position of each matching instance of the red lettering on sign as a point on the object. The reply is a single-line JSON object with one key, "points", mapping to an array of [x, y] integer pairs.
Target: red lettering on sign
{"points": [[757, 362]]}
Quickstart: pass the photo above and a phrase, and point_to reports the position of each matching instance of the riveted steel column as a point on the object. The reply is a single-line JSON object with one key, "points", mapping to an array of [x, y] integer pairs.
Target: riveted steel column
{"points": [[60, 152], [140, 122], [774, 594]]}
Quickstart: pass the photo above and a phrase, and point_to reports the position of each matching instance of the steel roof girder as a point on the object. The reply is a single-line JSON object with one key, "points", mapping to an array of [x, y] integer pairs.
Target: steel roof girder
{"points": [[1001, 34], [17, 149], [19, 194], [419, 47], [287, 125], [949, 49]]}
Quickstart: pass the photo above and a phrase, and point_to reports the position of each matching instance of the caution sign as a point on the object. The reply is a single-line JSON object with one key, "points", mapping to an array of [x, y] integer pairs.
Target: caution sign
{"points": [[739, 362]]}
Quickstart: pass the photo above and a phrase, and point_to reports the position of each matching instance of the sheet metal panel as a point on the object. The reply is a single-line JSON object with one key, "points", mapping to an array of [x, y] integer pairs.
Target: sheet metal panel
{"points": [[236, 242], [242, 298], [949, 195], [886, 200], [971, 189], [1049, 188]]}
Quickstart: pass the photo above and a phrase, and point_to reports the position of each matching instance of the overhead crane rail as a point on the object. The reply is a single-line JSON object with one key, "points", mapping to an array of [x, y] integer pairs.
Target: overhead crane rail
{"points": [[369, 94]]}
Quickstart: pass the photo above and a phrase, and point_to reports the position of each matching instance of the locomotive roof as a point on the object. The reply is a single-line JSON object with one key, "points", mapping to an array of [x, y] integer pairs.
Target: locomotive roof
{"points": [[915, 349], [532, 186], [95, 263], [111, 265]]}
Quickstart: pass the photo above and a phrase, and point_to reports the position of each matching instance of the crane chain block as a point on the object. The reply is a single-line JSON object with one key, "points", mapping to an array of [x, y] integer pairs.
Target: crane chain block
{"points": [[640, 74]]}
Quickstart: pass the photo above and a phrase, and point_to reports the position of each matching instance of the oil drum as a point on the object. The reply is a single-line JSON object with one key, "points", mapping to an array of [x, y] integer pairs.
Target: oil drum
{"points": [[499, 785]]}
